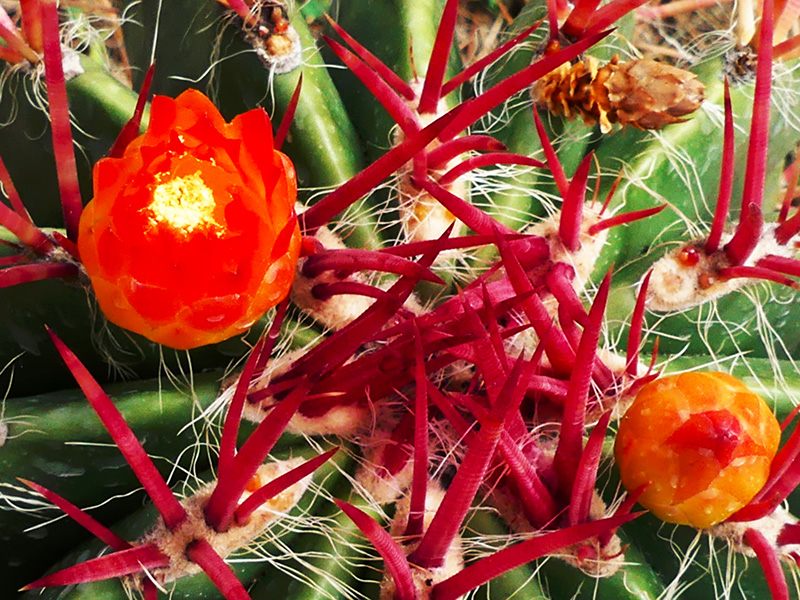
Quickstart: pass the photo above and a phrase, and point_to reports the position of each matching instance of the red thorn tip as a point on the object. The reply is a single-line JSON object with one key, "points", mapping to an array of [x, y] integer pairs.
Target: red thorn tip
{"points": [[487, 160], [283, 129], [382, 91], [726, 179], [222, 503], [280, 484], [788, 229], [612, 191], [131, 129], [586, 476], [168, 506], [466, 212], [551, 157], [374, 62], [758, 146], [624, 218], [485, 61], [459, 496], [118, 564], [569, 228], [569, 449], [635, 331], [395, 560], [554, 342], [437, 65], [80, 517], [230, 428], [441, 155]]}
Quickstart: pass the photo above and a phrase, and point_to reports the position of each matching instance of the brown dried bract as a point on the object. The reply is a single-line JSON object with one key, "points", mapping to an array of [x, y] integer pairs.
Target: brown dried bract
{"points": [[272, 36], [644, 93]]}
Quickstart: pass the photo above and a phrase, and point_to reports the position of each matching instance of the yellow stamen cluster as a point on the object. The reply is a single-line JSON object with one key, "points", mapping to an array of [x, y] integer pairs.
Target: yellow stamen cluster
{"points": [[185, 204]]}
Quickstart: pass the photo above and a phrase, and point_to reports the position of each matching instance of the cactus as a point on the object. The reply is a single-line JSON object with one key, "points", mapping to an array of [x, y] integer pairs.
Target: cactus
{"points": [[362, 319]]}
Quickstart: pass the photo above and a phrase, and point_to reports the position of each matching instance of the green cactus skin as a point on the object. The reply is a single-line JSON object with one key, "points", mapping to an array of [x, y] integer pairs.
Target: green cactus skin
{"points": [[332, 559]]}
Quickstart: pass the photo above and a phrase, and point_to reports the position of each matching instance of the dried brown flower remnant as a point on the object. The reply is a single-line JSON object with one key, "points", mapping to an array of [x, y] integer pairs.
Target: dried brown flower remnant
{"points": [[644, 93], [270, 32]]}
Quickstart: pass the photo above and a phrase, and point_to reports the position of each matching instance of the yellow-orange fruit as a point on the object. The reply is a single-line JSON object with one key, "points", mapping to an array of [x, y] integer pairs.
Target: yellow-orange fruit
{"points": [[702, 442]]}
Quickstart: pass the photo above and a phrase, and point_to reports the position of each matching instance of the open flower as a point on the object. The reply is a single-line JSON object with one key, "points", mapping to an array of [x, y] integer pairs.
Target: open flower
{"points": [[191, 235]]}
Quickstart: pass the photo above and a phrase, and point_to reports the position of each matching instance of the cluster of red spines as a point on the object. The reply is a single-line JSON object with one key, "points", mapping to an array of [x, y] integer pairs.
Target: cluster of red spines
{"points": [[435, 169], [749, 232], [388, 349], [42, 255], [313, 382], [784, 475], [223, 511], [473, 327]]}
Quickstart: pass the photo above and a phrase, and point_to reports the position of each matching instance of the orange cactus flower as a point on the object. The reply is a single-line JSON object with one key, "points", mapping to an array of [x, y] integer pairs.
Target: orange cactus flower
{"points": [[191, 235], [702, 442]]}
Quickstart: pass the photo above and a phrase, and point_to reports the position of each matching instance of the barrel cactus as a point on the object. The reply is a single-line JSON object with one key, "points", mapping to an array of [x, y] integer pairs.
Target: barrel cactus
{"points": [[399, 299]]}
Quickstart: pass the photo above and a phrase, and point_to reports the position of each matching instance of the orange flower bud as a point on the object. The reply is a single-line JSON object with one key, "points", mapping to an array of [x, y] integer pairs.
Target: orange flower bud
{"points": [[191, 235], [702, 442]]}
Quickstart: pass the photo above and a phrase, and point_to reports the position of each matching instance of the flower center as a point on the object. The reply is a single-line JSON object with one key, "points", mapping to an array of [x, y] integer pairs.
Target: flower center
{"points": [[185, 204]]}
